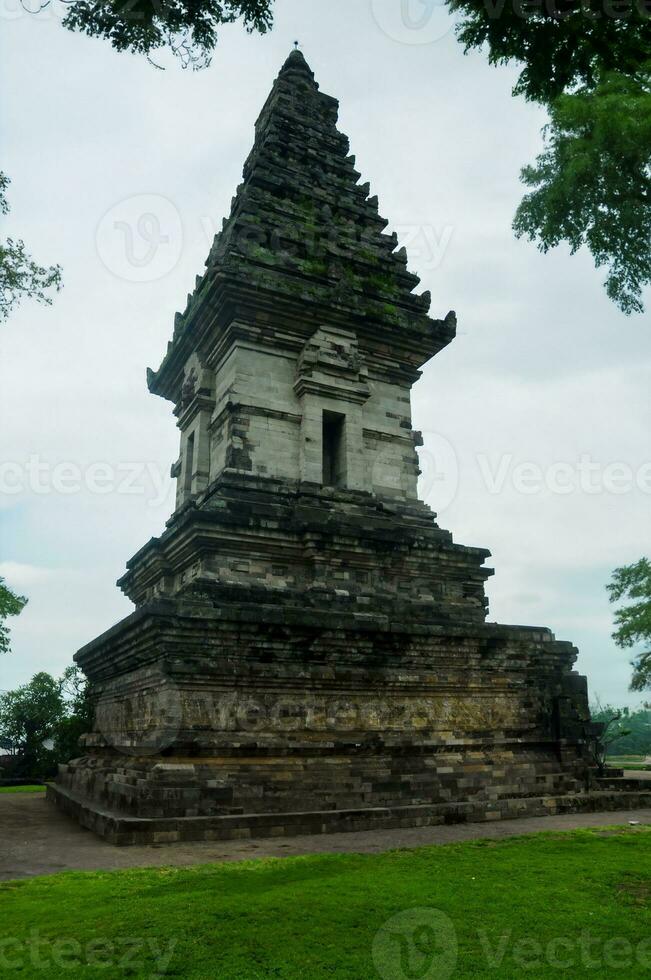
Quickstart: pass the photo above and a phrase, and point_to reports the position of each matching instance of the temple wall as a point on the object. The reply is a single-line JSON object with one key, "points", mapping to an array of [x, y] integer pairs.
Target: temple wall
{"points": [[428, 726], [439, 717], [256, 425], [260, 425]]}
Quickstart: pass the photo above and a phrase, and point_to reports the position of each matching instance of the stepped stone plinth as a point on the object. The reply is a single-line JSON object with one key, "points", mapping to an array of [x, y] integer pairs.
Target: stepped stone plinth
{"points": [[309, 650]]}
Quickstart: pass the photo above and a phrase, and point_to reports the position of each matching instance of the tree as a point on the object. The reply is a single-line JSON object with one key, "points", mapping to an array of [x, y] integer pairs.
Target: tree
{"points": [[187, 28], [20, 276], [593, 182], [589, 63], [613, 729], [78, 714], [628, 729], [10, 605], [633, 620], [43, 720], [29, 717], [561, 44]]}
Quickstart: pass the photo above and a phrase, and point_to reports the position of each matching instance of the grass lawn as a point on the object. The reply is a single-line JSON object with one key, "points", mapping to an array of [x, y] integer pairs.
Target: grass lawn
{"points": [[22, 789], [617, 760], [570, 904], [627, 762]]}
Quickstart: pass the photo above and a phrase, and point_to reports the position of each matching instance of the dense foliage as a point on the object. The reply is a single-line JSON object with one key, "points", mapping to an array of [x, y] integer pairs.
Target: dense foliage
{"points": [[592, 184], [28, 721], [590, 64], [41, 721], [631, 585], [560, 45], [187, 28]]}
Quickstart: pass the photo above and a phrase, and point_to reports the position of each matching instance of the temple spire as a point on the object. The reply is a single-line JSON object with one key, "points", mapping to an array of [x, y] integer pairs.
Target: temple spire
{"points": [[305, 236], [296, 63]]}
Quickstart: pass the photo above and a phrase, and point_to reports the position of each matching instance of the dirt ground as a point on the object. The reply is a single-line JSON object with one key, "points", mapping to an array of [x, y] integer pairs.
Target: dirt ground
{"points": [[36, 839]]}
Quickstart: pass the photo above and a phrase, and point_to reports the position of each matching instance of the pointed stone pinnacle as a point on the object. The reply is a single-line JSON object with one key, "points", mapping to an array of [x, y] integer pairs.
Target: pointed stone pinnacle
{"points": [[296, 63], [300, 185]]}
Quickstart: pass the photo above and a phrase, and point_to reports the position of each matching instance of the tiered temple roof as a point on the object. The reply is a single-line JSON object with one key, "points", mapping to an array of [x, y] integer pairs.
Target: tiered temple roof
{"points": [[304, 245]]}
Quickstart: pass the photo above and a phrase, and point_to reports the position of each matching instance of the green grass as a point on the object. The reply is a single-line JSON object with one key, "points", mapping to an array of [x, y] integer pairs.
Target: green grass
{"points": [[517, 907], [627, 762], [617, 759], [22, 789]]}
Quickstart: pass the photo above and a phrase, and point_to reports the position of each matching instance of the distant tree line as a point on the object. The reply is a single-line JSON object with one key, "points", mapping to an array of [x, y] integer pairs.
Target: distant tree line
{"points": [[629, 729]]}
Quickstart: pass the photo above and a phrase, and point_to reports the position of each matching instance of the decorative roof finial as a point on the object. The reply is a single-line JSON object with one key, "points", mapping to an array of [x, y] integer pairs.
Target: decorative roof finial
{"points": [[296, 45]]}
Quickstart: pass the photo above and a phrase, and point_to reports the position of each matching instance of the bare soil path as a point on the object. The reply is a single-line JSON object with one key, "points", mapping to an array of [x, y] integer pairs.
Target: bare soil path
{"points": [[36, 839]]}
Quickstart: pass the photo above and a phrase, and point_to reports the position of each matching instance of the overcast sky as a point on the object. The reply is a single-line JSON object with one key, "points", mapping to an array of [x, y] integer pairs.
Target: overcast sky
{"points": [[545, 371]]}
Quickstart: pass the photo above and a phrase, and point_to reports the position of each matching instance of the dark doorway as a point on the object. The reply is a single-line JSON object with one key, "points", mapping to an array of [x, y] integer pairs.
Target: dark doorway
{"points": [[189, 467], [334, 449]]}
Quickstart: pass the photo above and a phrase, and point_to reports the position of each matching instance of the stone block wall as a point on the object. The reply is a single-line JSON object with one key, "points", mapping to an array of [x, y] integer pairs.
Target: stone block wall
{"points": [[286, 712], [263, 413]]}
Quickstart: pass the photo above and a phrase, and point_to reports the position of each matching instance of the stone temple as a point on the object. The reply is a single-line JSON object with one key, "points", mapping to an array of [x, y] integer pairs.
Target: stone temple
{"points": [[309, 650]]}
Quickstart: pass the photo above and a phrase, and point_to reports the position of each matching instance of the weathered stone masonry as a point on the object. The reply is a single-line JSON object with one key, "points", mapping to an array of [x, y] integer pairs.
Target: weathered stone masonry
{"points": [[309, 650]]}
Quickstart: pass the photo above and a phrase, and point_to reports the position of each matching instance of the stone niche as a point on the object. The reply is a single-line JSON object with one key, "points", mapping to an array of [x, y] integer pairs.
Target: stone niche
{"points": [[309, 650]]}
